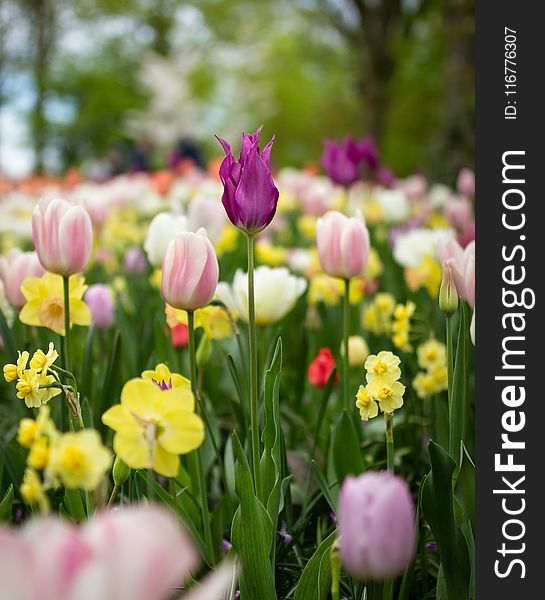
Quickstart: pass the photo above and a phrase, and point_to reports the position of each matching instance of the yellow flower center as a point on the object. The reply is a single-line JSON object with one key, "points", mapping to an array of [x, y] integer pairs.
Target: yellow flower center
{"points": [[24, 387], [38, 456], [380, 368], [363, 398], [73, 461], [384, 393], [30, 491], [51, 314], [431, 354]]}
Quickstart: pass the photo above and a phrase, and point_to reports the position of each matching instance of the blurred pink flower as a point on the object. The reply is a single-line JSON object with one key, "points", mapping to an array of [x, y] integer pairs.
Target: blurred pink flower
{"points": [[376, 525], [459, 212], [466, 182], [15, 267], [450, 252], [100, 301], [135, 261], [343, 244], [134, 553]]}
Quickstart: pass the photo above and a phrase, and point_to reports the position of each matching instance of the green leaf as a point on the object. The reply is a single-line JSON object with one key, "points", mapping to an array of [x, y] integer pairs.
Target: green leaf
{"points": [[250, 535], [74, 505], [270, 463], [10, 346], [330, 491], [315, 580], [323, 407], [6, 504], [438, 507], [347, 457], [109, 387], [465, 485]]}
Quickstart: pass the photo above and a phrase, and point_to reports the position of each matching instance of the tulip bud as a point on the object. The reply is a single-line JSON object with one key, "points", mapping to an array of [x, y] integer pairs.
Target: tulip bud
{"points": [[358, 351], [120, 471], [249, 193], [63, 236], [190, 271], [343, 245], [448, 296], [376, 525], [320, 368], [100, 301], [204, 351]]}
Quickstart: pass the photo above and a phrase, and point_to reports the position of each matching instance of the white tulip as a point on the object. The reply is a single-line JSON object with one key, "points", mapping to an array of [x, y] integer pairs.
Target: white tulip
{"points": [[209, 213], [161, 231], [276, 292], [411, 247]]}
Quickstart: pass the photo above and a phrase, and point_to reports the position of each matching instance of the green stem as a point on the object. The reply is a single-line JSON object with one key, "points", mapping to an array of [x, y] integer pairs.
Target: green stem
{"points": [[346, 329], [389, 419], [66, 290], [254, 412], [450, 380], [203, 499]]}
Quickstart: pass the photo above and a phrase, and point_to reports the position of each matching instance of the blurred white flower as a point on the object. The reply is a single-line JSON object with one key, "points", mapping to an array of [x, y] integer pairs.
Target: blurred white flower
{"points": [[161, 231], [394, 205], [411, 247], [276, 292]]}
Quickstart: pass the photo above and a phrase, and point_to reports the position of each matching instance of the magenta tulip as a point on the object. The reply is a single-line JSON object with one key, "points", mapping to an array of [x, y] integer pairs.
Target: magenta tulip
{"points": [[190, 271], [100, 301], [249, 193], [342, 161], [15, 267], [63, 236], [343, 244], [376, 525]]}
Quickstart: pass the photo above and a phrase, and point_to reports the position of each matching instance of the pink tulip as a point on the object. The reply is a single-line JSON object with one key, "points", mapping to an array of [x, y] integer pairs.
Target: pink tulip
{"points": [[466, 182], [459, 212], [15, 267], [100, 301], [457, 257], [190, 271], [376, 525], [343, 244], [134, 553], [469, 279], [63, 236], [134, 261]]}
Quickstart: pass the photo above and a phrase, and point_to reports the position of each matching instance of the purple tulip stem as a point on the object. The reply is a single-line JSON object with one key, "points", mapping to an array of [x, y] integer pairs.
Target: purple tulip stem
{"points": [[254, 412]]}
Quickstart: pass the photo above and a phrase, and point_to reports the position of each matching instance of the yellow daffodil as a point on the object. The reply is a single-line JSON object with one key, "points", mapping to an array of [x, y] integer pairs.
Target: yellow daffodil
{"points": [[27, 432], [385, 303], [45, 304], [32, 490], [213, 319], [366, 404], [388, 395], [326, 289], [78, 460], [13, 372], [29, 388], [427, 274], [377, 316], [166, 380], [268, 254], [374, 267], [154, 426], [38, 457], [431, 354], [227, 240], [42, 361], [382, 367]]}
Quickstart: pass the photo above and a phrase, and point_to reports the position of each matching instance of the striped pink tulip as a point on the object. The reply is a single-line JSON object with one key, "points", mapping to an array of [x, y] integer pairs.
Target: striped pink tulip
{"points": [[63, 236], [343, 244], [190, 271]]}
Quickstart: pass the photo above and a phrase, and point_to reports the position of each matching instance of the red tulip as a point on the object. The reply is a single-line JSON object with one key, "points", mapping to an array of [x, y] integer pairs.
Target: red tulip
{"points": [[320, 368]]}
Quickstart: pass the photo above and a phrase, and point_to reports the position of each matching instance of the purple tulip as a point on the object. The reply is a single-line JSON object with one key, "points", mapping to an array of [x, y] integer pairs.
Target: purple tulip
{"points": [[369, 152], [249, 193], [100, 301], [376, 525]]}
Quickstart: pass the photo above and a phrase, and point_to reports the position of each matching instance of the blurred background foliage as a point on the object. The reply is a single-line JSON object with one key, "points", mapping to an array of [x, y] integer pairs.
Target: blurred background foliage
{"points": [[93, 77]]}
